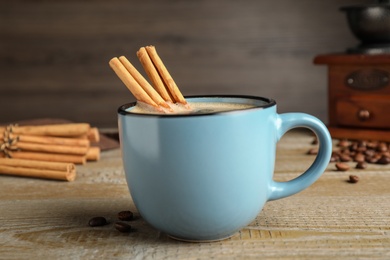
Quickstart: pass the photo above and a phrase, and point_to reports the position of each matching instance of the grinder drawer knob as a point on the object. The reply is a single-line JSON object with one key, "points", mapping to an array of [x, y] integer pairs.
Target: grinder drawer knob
{"points": [[364, 114]]}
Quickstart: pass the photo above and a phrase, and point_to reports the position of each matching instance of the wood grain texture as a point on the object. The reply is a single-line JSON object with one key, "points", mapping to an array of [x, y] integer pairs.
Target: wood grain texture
{"points": [[54, 54], [43, 219]]}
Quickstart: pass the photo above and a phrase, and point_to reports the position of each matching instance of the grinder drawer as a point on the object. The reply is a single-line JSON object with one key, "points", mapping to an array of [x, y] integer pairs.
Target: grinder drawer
{"points": [[366, 113]]}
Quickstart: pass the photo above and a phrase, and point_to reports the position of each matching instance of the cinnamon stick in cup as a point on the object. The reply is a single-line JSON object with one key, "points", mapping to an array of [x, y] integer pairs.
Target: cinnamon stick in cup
{"points": [[153, 74], [138, 92], [165, 90], [143, 83], [165, 75]]}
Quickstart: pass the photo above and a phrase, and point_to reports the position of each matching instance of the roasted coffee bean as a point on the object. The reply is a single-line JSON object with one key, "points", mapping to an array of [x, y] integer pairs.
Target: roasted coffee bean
{"points": [[371, 159], [353, 178], [383, 160], [345, 158], [353, 147], [361, 149], [372, 145], [122, 227], [125, 215], [359, 157], [387, 154], [345, 151], [342, 167], [362, 143], [369, 153], [97, 221], [343, 143], [361, 165], [382, 147]]}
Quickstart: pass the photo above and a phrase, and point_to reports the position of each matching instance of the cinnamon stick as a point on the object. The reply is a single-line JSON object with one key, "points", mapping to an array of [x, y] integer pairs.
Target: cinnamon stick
{"points": [[64, 130], [153, 74], [165, 75], [50, 140], [52, 148], [49, 157], [143, 82], [138, 92], [55, 166], [38, 173], [93, 153], [93, 135]]}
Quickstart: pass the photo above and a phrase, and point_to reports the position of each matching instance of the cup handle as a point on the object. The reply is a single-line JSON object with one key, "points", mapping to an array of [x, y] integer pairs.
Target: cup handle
{"points": [[284, 123]]}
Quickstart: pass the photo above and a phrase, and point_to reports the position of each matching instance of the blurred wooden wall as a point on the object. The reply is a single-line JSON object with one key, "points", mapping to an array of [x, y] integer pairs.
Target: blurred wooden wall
{"points": [[54, 53]]}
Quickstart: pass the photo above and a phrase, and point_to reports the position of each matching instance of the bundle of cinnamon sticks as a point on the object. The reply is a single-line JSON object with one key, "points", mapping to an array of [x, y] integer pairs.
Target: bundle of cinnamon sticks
{"points": [[164, 91], [32, 150]]}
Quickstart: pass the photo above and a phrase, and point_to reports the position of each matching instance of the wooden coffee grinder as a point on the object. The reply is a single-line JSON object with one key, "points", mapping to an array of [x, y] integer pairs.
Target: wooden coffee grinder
{"points": [[359, 79]]}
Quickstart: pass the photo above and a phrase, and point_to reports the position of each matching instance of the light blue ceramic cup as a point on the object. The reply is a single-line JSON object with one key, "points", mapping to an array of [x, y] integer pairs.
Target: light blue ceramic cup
{"points": [[204, 177]]}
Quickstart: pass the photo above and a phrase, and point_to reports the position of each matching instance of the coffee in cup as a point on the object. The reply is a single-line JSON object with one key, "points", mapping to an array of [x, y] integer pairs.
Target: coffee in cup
{"points": [[190, 108]]}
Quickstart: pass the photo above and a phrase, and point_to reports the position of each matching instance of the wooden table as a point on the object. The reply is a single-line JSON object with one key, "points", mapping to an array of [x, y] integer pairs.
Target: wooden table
{"points": [[42, 219]]}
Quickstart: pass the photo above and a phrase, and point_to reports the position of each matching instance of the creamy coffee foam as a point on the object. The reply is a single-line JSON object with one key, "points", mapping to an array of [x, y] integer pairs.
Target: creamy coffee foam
{"points": [[192, 108]]}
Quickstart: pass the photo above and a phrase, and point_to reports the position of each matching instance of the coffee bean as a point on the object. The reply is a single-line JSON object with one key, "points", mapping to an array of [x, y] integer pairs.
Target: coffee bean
{"points": [[371, 159], [361, 149], [382, 147], [345, 158], [353, 178], [387, 154], [372, 145], [345, 151], [343, 143], [342, 166], [362, 143], [315, 141], [361, 165], [97, 221], [369, 153], [383, 160], [359, 157], [125, 215], [353, 147], [122, 227]]}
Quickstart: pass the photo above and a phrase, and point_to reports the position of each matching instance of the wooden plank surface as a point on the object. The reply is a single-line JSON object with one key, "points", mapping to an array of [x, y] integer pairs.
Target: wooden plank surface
{"points": [[331, 219], [54, 54]]}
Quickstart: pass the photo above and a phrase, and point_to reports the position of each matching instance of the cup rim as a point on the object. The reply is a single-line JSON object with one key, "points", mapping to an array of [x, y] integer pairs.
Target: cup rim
{"points": [[122, 109]]}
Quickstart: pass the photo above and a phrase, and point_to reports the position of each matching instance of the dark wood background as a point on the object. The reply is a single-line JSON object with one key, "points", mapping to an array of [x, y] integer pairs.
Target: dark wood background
{"points": [[54, 54]]}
